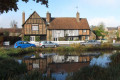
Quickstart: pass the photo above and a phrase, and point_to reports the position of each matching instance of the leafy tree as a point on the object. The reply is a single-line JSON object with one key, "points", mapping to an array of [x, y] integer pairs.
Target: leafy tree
{"points": [[99, 30], [7, 5]]}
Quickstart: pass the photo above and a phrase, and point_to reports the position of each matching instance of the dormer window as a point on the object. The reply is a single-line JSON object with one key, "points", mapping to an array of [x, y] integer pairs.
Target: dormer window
{"points": [[35, 27]]}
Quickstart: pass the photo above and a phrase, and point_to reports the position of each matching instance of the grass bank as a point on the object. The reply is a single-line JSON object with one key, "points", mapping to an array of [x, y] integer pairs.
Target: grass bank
{"points": [[72, 48]]}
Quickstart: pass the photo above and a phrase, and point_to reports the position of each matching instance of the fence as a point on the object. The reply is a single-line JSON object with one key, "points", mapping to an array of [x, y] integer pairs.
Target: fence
{"points": [[67, 42], [59, 42], [6, 43]]}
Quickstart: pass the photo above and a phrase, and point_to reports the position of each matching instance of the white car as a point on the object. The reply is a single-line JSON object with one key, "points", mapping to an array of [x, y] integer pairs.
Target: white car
{"points": [[91, 42], [44, 44]]}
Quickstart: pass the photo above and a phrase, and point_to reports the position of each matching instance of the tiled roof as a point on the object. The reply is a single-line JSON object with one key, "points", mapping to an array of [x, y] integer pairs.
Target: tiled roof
{"points": [[18, 30], [68, 23], [112, 28]]}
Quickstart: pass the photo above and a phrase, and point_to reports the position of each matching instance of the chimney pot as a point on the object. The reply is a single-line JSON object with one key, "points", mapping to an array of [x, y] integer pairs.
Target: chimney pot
{"points": [[77, 17], [23, 17], [48, 17]]}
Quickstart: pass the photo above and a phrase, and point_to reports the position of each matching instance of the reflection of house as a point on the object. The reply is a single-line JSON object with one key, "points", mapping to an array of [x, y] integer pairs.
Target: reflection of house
{"points": [[51, 28], [62, 59], [113, 32]]}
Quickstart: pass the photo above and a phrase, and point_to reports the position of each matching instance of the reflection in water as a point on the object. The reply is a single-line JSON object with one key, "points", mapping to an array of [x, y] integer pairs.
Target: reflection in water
{"points": [[102, 61], [59, 76], [65, 63]]}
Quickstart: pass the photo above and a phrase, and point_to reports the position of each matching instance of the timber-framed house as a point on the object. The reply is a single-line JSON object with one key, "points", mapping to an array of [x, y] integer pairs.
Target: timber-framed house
{"points": [[54, 29]]}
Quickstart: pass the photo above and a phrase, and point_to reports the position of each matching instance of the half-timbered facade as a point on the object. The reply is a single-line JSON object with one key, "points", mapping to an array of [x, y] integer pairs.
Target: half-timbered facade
{"points": [[34, 27], [50, 28]]}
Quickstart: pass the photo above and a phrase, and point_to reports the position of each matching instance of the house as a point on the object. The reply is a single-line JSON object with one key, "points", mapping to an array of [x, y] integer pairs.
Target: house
{"points": [[11, 31], [113, 32], [55, 28], [11, 35]]}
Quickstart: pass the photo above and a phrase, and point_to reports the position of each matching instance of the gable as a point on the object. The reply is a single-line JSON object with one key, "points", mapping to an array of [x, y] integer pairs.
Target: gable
{"points": [[34, 19]]}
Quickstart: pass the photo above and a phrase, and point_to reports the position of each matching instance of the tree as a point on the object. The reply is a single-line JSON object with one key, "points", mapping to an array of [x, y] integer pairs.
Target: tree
{"points": [[13, 24], [7, 5], [99, 30]]}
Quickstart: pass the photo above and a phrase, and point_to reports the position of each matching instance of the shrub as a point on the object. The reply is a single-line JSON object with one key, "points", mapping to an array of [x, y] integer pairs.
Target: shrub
{"points": [[9, 68], [26, 38], [37, 38], [34, 75], [62, 39]]}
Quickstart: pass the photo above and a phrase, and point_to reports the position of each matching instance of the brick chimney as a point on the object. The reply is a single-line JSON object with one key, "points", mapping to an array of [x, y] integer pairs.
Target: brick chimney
{"points": [[77, 16], [48, 17], [23, 17]]}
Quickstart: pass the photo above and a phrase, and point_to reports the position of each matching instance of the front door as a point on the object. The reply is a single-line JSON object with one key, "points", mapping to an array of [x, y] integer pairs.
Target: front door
{"points": [[32, 38]]}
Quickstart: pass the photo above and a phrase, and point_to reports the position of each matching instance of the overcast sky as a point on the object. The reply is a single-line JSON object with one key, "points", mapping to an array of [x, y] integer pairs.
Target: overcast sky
{"points": [[96, 11]]}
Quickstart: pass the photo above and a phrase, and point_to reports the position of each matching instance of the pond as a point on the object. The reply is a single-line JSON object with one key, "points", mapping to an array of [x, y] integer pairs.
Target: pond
{"points": [[60, 66]]}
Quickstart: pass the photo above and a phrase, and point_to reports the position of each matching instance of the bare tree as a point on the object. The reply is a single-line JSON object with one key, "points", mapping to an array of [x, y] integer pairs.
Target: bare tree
{"points": [[13, 24]]}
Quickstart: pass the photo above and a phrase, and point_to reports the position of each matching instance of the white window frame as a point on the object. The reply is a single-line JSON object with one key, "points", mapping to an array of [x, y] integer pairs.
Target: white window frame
{"points": [[32, 38], [84, 31], [35, 27]]}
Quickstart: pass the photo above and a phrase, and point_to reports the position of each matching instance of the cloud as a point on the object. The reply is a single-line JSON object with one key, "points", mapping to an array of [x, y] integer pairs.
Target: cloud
{"points": [[108, 21]]}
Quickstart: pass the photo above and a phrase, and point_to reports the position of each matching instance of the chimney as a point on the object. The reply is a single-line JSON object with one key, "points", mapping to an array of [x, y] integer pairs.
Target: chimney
{"points": [[77, 17], [48, 17], [23, 17]]}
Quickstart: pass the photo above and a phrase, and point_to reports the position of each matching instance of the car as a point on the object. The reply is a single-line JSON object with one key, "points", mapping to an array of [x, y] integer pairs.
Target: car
{"points": [[44, 44], [23, 44], [104, 40], [91, 42]]}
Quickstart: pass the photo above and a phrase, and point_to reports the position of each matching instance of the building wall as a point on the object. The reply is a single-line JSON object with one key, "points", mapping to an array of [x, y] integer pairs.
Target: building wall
{"points": [[92, 36], [71, 34], [37, 23], [84, 32]]}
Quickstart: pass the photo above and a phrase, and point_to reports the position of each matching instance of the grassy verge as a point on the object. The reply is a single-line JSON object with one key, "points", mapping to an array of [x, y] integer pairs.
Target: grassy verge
{"points": [[71, 48]]}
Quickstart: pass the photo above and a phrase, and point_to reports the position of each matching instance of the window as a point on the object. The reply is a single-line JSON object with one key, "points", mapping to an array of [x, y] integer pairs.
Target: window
{"points": [[84, 31], [71, 38], [55, 39], [86, 37], [32, 38], [35, 27]]}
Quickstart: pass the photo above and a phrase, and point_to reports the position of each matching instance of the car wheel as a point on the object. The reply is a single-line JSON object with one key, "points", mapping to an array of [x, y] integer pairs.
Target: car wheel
{"points": [[43, 46], [55, 46], [19, 47]]}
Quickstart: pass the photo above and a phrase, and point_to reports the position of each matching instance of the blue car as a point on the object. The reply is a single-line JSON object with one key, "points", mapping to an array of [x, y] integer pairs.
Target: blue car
{"points": [[23, 44]]}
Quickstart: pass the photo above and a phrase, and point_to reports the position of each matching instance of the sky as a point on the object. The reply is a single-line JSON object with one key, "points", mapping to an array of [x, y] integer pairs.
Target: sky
{"points": [[96, 11]]}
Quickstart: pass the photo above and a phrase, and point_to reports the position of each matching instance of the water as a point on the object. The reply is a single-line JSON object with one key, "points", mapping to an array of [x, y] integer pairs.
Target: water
{"points": [[61, 65], [102, 61]]}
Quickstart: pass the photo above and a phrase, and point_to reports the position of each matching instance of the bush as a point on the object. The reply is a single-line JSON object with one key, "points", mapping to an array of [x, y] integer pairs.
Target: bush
{"points": [[62, 39], [34, 75], [9, 68], [94, 72], [26, 38], [37, 38]]}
